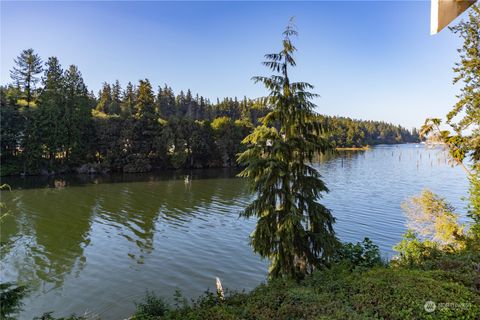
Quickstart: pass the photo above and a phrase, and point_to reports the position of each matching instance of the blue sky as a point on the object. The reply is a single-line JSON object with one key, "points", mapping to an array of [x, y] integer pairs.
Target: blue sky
{"points": [[368, 60]]}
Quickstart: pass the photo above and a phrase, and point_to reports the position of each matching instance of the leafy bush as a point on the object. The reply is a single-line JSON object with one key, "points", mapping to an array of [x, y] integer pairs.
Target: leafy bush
{"points": [[358, 285], [365, 254], [460, 266], [413, 252], [336, 293], [433, 219], [151, 308], [401, 294]]}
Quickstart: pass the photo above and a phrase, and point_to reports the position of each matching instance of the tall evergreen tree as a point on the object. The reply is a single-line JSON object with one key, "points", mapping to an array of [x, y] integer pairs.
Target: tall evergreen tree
{"points": [[166, 102], [77, 116], [190, 105], [146, 121], [293, 230], [116, 98], [128, 101], [28, 66], [181, 105], [104, 99], [200, 112], [145, 106], [52, 109]]}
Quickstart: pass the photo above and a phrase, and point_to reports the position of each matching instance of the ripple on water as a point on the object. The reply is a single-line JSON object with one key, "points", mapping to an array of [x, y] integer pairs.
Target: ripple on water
{"points": [[98, 247]]}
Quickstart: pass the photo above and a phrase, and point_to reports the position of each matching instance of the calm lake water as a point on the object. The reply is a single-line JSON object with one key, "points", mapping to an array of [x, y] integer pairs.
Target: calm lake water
{"points": [[97, 244]]}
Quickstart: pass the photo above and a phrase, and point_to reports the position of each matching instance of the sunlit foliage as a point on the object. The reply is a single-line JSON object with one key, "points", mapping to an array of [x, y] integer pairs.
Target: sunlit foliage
{"points": [[293, 229], [434, 219]]}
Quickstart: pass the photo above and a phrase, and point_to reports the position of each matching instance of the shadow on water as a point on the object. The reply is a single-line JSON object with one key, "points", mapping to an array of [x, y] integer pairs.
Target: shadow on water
{"points": [[70, 180]]}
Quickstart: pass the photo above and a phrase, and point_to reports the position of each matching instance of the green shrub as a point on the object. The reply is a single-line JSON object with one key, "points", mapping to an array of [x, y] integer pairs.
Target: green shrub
{"points": [[358, 285], [413, 252], [152, 307], [365, 254], [338, 293], [401, 294]]}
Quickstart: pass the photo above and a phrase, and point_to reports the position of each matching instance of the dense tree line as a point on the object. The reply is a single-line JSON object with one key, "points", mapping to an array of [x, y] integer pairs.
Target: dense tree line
{"points": [[50, 122], [346, 132]]}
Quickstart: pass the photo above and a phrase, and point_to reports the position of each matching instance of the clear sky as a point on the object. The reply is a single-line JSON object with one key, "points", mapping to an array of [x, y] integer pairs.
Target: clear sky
{"points": [[368, 60]]}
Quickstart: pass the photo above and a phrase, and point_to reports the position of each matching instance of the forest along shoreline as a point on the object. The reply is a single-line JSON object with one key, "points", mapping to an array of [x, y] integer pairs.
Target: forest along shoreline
{"points": [[62, 127]]}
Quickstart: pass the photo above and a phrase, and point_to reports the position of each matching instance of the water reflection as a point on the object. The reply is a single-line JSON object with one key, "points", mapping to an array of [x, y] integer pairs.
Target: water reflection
{"points": [[34, 182], [98, 242], [50, 228]]}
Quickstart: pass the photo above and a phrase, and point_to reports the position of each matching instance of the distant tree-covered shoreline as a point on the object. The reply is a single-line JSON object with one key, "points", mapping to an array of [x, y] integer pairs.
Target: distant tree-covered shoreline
{"points": [[59, 126]]}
